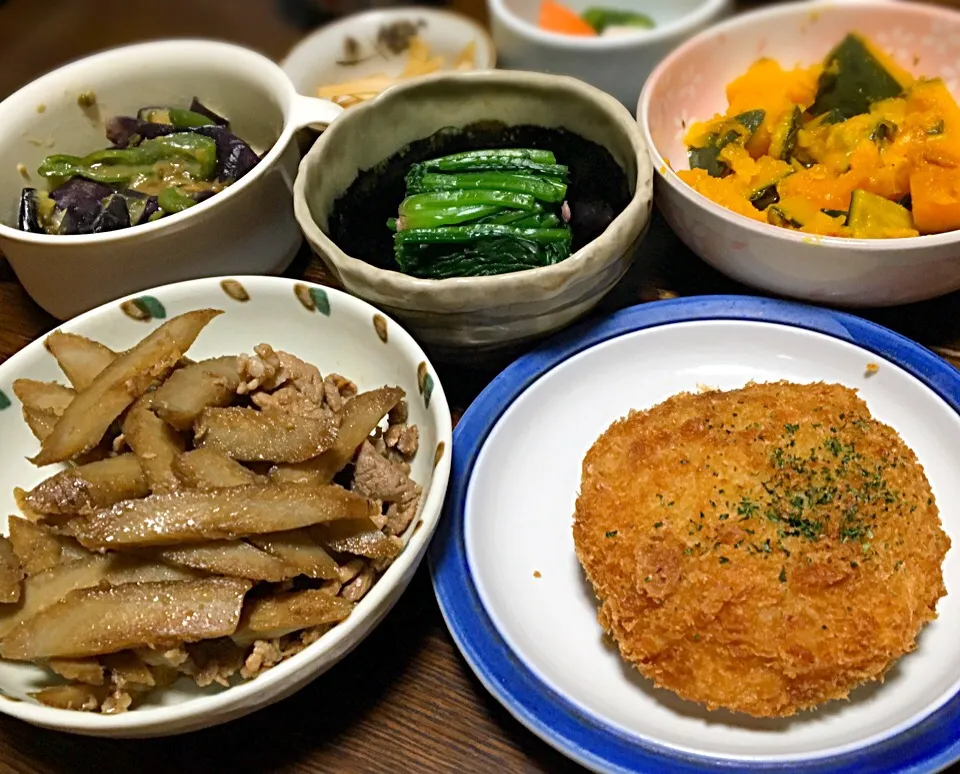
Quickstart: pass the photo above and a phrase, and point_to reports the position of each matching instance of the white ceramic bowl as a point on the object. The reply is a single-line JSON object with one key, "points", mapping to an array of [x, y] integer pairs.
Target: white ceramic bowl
{"points": [[247, 228], [689, 85], [470, 315], [618, 65], [334, 331], [349, 49]]}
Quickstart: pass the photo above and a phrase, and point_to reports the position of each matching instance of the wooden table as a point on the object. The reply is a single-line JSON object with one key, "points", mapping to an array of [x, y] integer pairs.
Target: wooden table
{"points": [[404, 701]]}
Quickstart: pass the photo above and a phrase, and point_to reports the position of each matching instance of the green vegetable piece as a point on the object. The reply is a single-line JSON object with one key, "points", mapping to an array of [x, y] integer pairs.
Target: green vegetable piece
{"points": [[783, 141], [873, 216], [187, 145], [450, 216], [852, 80], [600, 18], [543, 189], [438, 200], [490, 252], [157, 115], [187, 119], [392, 224], [739, 129], [460, 234], [463, 161], [492, 163], [197, 153], [937, 128], [172, 200]]}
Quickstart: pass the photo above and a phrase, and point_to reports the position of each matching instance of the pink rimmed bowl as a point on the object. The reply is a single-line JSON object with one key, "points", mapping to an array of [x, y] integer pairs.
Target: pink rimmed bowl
{"points": [[689, 85]]}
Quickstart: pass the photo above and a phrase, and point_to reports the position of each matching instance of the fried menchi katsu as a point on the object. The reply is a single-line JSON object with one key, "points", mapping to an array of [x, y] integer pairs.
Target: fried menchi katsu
{"points": [[762, 550]]}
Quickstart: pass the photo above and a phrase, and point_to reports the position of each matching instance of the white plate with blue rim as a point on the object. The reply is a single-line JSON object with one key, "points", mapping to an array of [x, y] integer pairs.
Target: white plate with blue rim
{"points": [[514, 596]]}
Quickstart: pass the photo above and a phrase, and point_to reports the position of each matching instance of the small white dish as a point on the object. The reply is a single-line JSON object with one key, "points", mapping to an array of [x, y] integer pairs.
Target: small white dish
{"points": [[617, 64], [358, 46], [516, 599], [326, 327], [248, 228]]}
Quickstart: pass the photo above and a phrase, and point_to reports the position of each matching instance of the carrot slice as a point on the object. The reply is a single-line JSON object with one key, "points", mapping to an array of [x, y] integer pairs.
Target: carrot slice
{"points": [[558, 18]]}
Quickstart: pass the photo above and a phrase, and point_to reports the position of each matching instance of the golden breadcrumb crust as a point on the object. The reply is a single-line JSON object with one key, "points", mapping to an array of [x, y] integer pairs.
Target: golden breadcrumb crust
{"points": [[764, 549]]}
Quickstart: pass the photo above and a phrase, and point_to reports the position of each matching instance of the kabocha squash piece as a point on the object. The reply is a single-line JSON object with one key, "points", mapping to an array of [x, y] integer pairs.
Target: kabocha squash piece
{"points": [[736, 130], [873, 217], [783, 140], [854, 77], [800, 214], [935, 199]]}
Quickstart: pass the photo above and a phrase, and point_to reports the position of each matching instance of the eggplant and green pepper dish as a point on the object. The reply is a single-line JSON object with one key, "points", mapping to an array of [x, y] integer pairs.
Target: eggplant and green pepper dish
{"points": [[162, 161], [483, 212]]}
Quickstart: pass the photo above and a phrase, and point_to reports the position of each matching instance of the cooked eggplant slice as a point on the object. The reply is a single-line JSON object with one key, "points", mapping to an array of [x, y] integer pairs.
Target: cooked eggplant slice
{"points": [[39, 549], [91, 413], [113, 215], [181, 399], [193, 516], [301, 552], [81, 359], [28, 217], [96, 621], [265, 436], [90, 487], [11, 573], [358, 418], [155, 444], [274, 616], [233, 558]]}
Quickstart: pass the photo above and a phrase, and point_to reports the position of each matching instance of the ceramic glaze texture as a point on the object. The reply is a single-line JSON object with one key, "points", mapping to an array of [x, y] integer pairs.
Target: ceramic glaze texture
{"points": [[690, 85], [323, 326], [479, 312], [247, 228], [617, 65]]}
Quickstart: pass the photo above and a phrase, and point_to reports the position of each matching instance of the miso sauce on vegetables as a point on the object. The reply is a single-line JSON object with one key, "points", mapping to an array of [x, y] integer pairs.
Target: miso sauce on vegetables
{"points": [[163, 161], [853, 147]]}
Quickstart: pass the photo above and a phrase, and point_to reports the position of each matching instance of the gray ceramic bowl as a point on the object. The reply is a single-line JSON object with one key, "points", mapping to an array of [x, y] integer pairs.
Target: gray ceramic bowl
{"points": [[478, 313]]}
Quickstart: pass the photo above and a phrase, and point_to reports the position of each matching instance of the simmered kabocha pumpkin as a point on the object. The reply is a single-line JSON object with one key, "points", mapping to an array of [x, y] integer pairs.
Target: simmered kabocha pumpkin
{"points": [[852, 147]]}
